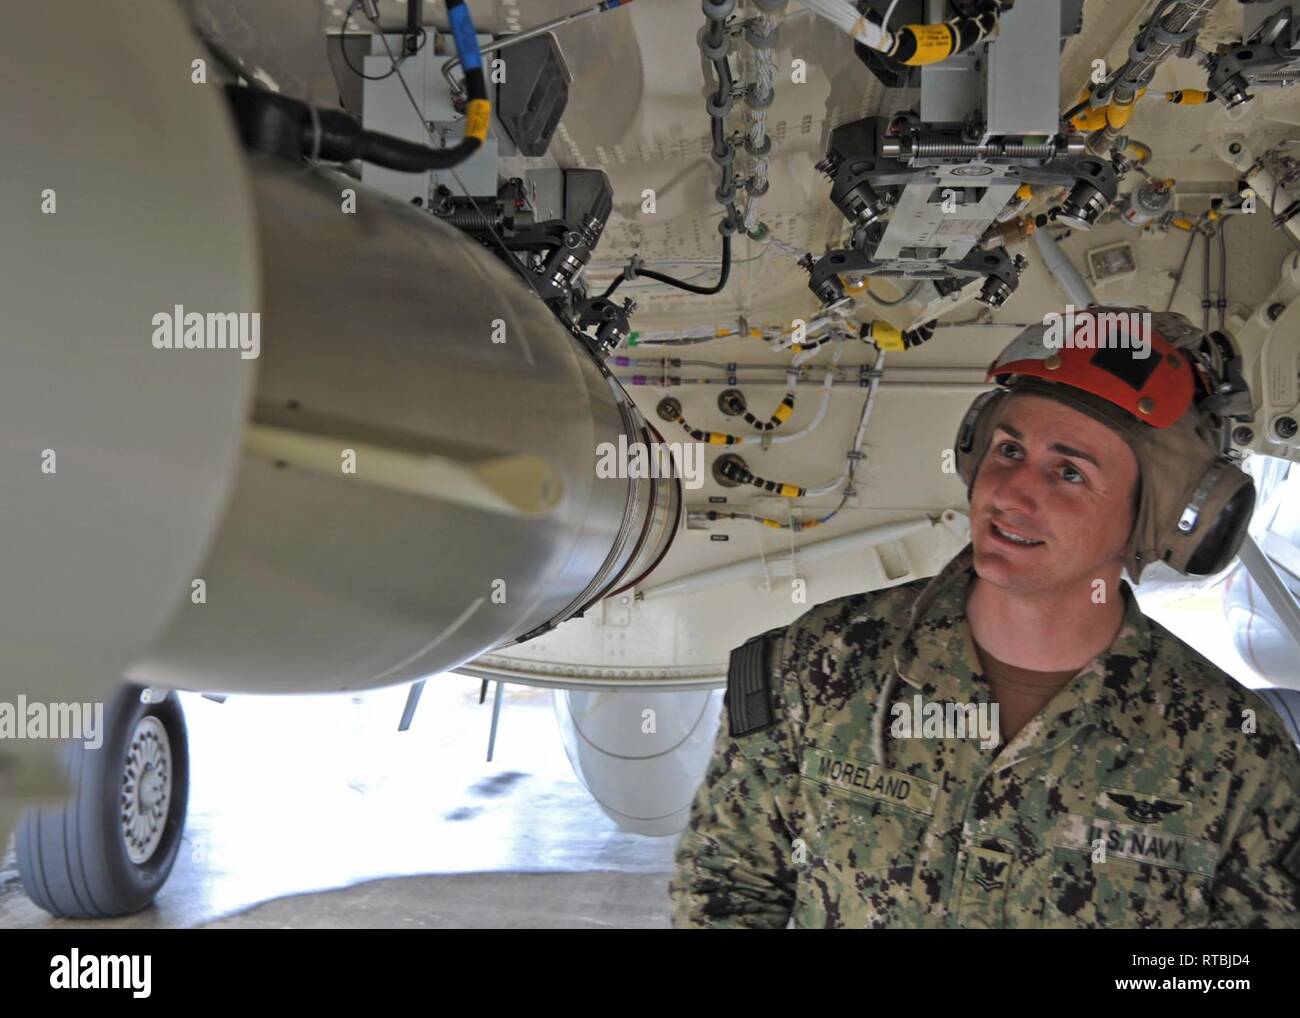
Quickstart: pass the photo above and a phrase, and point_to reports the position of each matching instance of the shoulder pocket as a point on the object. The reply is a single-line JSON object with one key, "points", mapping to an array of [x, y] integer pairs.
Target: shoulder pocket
{"points": [[749, 702]]}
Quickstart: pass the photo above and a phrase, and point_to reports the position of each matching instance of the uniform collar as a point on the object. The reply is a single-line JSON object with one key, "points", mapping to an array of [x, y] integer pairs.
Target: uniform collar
{"points": [[935, 654]]}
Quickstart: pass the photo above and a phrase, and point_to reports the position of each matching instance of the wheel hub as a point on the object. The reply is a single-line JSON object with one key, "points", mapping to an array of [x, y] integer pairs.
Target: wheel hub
{"points": [[146, 789]]}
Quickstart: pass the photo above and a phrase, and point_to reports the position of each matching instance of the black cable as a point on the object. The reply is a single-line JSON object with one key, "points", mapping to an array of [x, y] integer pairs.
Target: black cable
{"points": [[897, 300], [475, 86], [725, 81], [618, 281], [691, 287]]}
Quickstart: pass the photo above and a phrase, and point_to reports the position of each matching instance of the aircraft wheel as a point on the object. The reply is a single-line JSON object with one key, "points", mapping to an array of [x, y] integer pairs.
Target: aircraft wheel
{"points": [[108, 850]]}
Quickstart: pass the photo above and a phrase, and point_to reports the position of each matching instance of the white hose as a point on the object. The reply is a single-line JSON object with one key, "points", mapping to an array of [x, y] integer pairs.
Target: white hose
{"points": [[846, 16], [829, 486], [827, 381]]}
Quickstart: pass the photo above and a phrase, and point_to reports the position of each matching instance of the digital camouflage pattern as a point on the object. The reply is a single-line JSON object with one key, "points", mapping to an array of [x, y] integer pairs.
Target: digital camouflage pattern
{"points": [[823, 817]]}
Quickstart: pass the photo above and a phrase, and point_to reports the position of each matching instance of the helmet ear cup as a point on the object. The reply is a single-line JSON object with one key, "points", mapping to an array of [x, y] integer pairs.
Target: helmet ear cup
{"points": [[1227, 529], [972, 433]]}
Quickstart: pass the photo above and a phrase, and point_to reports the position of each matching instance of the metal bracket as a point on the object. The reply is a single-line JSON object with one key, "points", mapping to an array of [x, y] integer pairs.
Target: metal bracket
{"points": [[496, 716], [412, 701]]}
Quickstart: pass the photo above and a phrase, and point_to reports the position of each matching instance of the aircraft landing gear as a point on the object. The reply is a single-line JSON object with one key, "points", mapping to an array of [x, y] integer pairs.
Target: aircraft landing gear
{"points": [[108, 850]]}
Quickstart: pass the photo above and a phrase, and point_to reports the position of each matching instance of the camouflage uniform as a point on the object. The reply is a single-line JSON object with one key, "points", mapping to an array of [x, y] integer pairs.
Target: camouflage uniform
{"points": [[823, 817]]}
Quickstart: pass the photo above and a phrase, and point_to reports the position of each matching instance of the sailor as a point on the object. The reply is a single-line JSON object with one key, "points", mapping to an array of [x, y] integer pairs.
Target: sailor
{"points": [[1132, 783]]}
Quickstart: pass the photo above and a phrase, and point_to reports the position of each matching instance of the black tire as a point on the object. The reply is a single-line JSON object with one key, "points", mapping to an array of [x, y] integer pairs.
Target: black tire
{"points": [[73, 858]]}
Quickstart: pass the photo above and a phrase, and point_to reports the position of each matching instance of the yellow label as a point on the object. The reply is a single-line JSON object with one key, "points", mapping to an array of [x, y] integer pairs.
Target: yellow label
{"points": [[933, 43], [1024, 192], [771, 523], [783, 412], [789, 491], [477, 117], [717, 439]]}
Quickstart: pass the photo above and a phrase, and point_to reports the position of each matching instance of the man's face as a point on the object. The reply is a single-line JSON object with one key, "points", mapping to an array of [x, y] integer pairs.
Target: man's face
{"points": [[1057, 477]]}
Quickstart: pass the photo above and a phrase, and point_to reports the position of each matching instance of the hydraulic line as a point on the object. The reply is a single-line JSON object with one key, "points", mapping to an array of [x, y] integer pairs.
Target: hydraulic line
{"points": [[1178, 277], [733, 471], [885, 338], [779, 416], [724, 438], [845, 478], [855, 450], [779, 338], [954, 386]]}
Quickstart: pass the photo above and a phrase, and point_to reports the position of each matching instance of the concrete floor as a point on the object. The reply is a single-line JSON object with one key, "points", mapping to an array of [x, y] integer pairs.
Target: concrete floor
{"points": [[317, 812]]}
